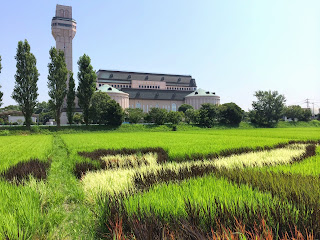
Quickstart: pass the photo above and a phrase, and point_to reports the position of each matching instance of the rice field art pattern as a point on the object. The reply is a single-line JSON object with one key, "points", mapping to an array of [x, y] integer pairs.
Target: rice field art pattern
{"points": [[193, 184]]}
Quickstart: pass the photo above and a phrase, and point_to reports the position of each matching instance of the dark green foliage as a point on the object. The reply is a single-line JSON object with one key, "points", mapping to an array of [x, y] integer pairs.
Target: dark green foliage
{"points": [[294, 112], [115, 114], [230, 113], [134, 115], [184, 107], [174, 117], [11, 107], [158, 115], [44, 111], [78, 118], [268, 109], [57, 81], [1, 93], [192, 116], [71, 95], [87, 85], [306, 115], [21, 171], [25, 91], [99, 107], [208, 114]]}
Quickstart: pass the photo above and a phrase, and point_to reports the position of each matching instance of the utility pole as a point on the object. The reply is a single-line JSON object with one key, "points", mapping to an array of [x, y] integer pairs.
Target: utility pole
{"points": [[307, 101]]}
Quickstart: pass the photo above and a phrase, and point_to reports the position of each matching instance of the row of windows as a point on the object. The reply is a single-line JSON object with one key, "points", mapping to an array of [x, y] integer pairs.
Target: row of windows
{"points": [[181, 88], [120, 86], [149, 87], [147, 107]]}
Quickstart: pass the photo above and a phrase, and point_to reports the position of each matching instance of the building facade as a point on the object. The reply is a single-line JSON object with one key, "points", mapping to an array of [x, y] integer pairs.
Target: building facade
{"points": [[148, 90], [131, 89]]}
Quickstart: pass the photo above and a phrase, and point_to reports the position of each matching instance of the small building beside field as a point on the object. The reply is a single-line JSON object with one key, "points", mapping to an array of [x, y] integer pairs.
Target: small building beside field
{"points": [[13, 116]]}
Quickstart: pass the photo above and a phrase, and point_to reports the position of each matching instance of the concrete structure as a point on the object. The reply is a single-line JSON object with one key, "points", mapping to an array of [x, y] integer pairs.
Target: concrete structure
{"points": [[148, 90], [120, 97], [13, 116], [200, 96], [131, 89], [64, 29]]}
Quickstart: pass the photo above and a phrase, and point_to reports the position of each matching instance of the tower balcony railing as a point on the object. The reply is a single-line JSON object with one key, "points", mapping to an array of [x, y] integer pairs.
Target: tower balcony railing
{"points": [[64, 19]]}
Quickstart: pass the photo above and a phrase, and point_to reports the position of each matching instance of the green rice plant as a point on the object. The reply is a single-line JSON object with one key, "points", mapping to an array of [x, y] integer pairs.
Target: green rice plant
{"points": [[20, 212], [204, 200], [301, 191], [15, 149]]}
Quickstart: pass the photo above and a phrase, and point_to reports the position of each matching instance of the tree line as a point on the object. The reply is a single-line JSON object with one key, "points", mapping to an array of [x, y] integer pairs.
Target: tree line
{"points": [[99, 108], [25, 91]]}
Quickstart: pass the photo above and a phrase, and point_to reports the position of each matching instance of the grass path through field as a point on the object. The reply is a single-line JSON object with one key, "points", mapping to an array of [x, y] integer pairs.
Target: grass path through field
{"points": [[67, 216]]}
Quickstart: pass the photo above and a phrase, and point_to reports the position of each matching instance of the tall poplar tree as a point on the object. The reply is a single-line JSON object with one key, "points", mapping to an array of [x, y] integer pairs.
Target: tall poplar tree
{"points": [[25, 91], [87, 85], [71, 95], [57, 81], [1, 93]]}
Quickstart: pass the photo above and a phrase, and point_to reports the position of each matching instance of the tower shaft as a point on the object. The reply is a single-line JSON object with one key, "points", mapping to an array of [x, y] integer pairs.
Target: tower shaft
{"points": [[64, 29]]}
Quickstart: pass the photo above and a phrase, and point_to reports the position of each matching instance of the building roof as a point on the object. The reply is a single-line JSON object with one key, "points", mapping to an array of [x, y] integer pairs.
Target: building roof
{"points": [[201, 92], [14, 113], [108, 89], [153, 94], [112, 76]]}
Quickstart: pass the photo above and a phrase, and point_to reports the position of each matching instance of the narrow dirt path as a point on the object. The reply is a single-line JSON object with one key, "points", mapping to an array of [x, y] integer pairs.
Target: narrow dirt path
{"points": [[67, 216]]}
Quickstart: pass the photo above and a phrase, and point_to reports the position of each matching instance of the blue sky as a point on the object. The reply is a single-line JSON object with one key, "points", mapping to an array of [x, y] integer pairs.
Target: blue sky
{"points": [[231, 47]]}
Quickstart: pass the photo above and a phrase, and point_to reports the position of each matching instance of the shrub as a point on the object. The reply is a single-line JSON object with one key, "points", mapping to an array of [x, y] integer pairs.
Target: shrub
{"points": [[207, 114], [134, 115], [174, 117], [158, 115], [230, 113], [184, 107], [191, 116]]}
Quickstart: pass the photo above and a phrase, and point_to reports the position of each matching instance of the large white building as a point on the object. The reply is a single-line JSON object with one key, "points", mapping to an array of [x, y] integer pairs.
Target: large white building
{"points": [[132, 89]]}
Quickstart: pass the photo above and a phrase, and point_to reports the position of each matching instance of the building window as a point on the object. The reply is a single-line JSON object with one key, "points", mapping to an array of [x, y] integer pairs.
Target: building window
{"points": [[111, 75], [174, 107], [138, 105], [157, 106]]}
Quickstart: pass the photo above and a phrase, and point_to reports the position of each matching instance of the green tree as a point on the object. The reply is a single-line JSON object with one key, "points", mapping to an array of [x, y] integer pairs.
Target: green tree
{"points": [[25, 91], [115, 114], [158, 115], [192, 116], [174, 117], [44, 111], [99, 107], [294, 112], [71, 95], [306, 115], [57, 81], [208, 114], [87, 85], [134, 114], [268, 109], [1, 93], [11, 107], [77, 118], [230, 113], [184, 107]]}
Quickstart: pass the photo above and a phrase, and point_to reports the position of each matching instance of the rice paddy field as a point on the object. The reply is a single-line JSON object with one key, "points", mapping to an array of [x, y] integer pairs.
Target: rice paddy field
{"points": [[193, 184]]}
